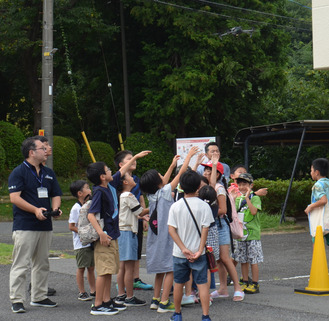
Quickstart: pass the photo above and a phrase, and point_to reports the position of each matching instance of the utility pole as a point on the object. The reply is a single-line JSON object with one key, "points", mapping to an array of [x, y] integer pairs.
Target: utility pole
{"points": [[47, 73], [124, 67]]}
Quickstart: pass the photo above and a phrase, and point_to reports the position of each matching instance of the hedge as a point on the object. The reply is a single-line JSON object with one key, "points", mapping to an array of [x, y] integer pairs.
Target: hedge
{"points": [[160, 158], [299, 197], [102, 152], [64, 156], [11, 140], [2, 159]]}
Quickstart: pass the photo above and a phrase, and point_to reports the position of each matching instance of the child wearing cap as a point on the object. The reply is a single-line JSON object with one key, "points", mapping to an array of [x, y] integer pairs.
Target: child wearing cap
{"points": [[249, 249], [213, 171]]}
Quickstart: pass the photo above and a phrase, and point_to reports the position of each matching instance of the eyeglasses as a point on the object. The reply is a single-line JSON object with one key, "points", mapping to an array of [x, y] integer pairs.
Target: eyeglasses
{"points": [[43, 148], [108, 170]]}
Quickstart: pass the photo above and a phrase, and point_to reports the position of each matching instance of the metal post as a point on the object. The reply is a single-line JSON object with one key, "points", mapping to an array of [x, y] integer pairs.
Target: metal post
{"points": [[124, 67], [292, 175], [47, 74]]}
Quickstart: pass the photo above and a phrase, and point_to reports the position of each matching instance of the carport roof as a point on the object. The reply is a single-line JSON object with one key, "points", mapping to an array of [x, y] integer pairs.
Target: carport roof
{"points": [[288, 133]]}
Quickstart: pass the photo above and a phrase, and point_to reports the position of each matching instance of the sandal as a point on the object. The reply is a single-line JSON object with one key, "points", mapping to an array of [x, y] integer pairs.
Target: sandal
{"points": [[215, 295], [238, 296]]}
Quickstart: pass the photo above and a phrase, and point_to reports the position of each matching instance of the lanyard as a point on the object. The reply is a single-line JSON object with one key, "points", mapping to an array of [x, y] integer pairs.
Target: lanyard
{"points": [[34, 173]]}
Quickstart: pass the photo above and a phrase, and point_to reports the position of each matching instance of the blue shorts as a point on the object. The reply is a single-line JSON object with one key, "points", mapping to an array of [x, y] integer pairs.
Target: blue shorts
{"points": [[223, 232], [183, 268], [128, 246]]}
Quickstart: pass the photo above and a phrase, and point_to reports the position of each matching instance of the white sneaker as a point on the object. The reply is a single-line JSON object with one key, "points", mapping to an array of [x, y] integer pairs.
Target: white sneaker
{"points": [[187, 299]]}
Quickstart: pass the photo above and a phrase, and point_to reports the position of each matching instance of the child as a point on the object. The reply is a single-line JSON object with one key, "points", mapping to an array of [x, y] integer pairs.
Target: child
{"points": [[160, 245], [106, 248], [189, 249], [249, 250], [120, 159], [129, 212], [84, 254], [214, 170], [319, 173]]}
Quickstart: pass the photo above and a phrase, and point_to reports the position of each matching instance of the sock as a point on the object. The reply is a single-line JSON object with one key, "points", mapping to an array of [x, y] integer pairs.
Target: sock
{"points": [[256, 283], [136, 279], [205, 316]]}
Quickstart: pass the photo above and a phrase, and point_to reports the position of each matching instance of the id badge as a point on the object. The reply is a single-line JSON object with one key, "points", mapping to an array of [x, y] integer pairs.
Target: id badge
{"points": [[42, 192]]}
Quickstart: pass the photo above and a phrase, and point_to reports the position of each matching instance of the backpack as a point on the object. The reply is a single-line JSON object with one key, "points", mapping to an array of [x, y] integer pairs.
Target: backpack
{"points": [[232, 219], [86, 231]]}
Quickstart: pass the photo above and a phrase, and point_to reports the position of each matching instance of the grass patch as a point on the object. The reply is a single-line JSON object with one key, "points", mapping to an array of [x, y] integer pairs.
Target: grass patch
{"points": [[6, 253], [272, 223], [6, 210]]}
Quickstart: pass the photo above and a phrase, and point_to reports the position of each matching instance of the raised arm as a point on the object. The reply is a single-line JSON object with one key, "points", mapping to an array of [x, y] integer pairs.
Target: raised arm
{"points": [[191, 153], [172, 166], [124, 169], [213, 176]]}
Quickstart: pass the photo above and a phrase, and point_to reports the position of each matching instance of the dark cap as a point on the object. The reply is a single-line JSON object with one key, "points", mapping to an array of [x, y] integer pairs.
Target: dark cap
{"points": [[246, 177]]}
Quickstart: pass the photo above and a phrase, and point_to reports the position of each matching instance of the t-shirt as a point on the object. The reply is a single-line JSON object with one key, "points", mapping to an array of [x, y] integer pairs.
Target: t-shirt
{"points": [[128, 213], [319, 189], [180, 218], [110, 212], [24, 179], [251, 223], [74, 218]]}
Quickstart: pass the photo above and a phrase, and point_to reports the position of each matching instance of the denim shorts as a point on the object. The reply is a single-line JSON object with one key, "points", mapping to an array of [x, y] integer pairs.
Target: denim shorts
{"points": [[183, 268], [128, 246], [223, 232]]}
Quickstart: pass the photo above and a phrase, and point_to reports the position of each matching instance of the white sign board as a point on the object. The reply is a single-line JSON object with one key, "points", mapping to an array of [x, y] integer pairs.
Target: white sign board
{"points": [[183, 146], [320, 24]]}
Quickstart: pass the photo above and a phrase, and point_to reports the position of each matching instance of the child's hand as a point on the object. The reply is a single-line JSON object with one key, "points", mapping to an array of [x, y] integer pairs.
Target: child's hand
{"points": [[174, 161], [248, 192], [261, 192], [234, 193], [143, 153], [308, 209], [214, 159], [192, 151], [105, 239], [188, 254], [200, 158], [195, 256]]}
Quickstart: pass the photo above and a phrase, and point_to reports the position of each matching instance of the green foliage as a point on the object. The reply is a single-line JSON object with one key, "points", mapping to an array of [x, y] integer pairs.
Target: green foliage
{"points": [[161, 155], [11, 140], [2, 158], [299, 198], [64, 156], [102, 152]]}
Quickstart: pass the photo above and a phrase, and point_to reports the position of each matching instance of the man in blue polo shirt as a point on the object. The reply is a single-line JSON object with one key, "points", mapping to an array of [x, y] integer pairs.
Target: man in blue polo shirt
{"points": [[33, 189]]}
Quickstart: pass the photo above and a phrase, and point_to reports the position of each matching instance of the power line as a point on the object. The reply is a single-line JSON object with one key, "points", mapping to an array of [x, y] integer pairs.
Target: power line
{"points": [[300, 4], [249, 10], [228, 16]]}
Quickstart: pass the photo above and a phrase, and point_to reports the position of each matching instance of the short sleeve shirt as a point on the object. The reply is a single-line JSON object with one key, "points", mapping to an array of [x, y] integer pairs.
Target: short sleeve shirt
{"points": [[319, 189], [251, 223], [24, 179], [129, 211], [111, 223]]}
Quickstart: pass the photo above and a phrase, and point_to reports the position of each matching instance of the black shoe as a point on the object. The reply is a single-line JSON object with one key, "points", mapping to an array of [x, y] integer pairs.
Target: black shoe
{"points": [[134, 302], [92, 294], [18, 307], [46, 303], [113, 305]]}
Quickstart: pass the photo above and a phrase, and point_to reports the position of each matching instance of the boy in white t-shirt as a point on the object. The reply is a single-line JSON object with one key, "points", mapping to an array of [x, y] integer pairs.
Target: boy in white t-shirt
{"points": [[189, 248], [84, 254]]}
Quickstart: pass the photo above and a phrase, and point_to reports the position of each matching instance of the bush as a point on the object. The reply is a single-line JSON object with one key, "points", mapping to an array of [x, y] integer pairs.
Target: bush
{"points": [[2, 159], [64, 156], [11, 140], [299, 197], [102, 152], [160, 158]]}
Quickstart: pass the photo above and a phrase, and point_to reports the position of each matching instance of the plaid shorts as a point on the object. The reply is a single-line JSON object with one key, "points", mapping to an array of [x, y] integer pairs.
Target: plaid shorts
{"points": [[212, 240], [249, 252]]}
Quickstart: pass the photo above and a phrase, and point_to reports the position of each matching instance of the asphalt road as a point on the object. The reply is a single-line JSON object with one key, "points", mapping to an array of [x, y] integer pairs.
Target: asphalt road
{"points": [[286, 266]]}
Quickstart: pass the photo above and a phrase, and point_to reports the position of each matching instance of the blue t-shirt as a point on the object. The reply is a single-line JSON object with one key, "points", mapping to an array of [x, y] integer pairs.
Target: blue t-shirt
{"points": [[136, 190], [24, 179], [110, 210]]}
